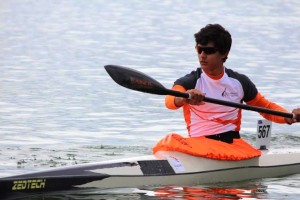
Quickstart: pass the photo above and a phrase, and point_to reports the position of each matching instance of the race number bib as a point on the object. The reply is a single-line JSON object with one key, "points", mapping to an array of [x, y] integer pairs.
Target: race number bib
{"points": [[263, 136]]}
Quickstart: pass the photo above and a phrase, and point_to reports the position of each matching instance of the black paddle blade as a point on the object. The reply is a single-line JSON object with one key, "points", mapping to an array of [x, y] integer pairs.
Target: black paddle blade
{"points": [[135, 80]]}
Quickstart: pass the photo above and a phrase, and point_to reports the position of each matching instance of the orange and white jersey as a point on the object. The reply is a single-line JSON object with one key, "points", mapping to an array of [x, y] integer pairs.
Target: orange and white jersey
{"points": [[211, 119]]}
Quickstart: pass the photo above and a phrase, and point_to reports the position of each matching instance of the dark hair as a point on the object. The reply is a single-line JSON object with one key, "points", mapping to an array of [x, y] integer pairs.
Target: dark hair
{"points": [[216, 34]]}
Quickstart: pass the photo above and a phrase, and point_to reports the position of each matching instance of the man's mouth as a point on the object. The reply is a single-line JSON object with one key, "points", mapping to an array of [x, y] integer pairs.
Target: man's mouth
{"points": [[203, 62]]}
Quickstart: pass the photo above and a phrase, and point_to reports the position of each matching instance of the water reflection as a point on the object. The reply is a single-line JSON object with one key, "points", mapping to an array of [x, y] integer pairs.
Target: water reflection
{"points": [[244, 190], [206, 192]]}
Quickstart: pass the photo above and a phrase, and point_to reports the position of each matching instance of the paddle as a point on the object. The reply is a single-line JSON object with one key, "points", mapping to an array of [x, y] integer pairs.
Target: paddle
{"points": [[135, 80]]}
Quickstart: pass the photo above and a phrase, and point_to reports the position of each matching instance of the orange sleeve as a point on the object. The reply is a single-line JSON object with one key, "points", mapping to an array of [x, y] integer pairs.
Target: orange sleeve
{"points": [[261, 101], [170, 100]]}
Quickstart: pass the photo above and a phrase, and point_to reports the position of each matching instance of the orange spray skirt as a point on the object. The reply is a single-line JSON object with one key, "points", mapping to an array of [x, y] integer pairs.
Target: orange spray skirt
{"points": [[208, 148]]}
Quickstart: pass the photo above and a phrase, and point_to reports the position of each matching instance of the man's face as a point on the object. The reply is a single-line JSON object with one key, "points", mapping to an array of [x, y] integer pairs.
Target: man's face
{"points": [[210, 58]]}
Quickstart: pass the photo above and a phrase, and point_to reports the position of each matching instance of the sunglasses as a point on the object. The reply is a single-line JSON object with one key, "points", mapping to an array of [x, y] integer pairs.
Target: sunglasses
{"points": [[206, 50]]}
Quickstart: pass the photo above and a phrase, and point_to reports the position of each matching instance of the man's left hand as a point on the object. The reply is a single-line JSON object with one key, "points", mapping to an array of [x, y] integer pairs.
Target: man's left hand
{"points": [[296, 118]]}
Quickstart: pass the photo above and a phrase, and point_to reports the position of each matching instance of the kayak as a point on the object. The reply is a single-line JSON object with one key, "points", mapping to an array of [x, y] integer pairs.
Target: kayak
{"points": [[162, 168]]}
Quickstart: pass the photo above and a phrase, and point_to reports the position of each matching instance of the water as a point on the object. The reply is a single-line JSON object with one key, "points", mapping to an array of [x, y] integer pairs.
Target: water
{"points": [[59, 107]]}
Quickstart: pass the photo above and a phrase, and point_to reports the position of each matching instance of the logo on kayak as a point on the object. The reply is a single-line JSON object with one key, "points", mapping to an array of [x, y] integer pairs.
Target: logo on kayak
{"points": [[29, 184], [176, 164]]}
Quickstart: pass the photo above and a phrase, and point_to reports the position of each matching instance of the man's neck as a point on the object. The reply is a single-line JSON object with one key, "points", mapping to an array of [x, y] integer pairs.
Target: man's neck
{"points": [[216, 73]]}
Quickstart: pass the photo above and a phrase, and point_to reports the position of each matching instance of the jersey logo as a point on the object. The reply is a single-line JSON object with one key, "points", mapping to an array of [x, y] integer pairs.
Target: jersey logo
{"points": [[231, 94], [224, 93]]}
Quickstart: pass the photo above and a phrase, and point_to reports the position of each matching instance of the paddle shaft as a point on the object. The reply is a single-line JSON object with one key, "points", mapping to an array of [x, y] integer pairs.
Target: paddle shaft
{"points": [[232, 104]]}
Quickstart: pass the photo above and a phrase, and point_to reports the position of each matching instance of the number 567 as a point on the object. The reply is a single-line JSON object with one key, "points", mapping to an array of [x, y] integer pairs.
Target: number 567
{"points": [[263, 131]]}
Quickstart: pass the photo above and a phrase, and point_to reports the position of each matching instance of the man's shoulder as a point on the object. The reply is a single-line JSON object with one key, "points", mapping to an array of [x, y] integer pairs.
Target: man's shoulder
{"points": [[248, 86], [238, 76], [189, 80], [234, 74]]}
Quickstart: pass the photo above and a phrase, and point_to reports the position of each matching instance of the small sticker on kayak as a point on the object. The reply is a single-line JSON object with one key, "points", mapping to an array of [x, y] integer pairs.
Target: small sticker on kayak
{"points": [[176, 164]]}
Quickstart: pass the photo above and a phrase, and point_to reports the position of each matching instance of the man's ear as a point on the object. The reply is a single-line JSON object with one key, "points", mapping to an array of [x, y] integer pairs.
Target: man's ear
{"points": [[225, 56]]}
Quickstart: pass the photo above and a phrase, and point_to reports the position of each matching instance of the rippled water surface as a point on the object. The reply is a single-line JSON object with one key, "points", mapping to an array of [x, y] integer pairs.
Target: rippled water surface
{"points": [[59, 107]]}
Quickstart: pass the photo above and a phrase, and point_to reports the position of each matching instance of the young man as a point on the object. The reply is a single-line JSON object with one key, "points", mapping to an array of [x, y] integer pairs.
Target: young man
{"points": [[214, 80]]}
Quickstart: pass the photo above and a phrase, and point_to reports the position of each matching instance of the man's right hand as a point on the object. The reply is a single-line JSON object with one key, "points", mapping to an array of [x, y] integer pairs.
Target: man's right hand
{"points": [[196, 97]]}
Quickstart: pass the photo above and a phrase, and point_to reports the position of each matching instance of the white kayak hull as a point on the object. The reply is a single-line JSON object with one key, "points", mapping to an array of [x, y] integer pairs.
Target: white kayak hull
{"points": [[192, 170], [164, 168]]}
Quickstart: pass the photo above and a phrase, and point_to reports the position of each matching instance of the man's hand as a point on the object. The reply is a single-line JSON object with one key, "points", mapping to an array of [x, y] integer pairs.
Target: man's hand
{"points": [[296, 118], [196, 97]]}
